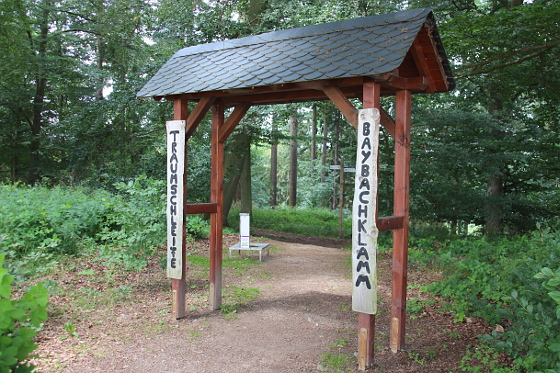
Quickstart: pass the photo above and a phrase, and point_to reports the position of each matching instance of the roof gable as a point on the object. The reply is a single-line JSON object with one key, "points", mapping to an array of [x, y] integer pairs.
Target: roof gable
{"points": [[362, 47]]}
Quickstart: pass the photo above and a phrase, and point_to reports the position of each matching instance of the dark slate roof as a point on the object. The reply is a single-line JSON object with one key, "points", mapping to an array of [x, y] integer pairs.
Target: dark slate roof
{"points": [[357, 47]]}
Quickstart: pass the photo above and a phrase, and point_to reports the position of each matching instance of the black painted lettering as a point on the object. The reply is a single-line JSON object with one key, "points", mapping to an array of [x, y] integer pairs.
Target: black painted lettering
{"points": [[360, 243], [365, 155], [173, 263], [362, 194], [364, 184], [173, 179], [362, 209], [365, 143], [174, 189], [174, 133], [172, 200], [363, 278], [362, 252], [363, 265], [366, 127], [365, 170], [173, 158], [173, 227], [361, 225]]}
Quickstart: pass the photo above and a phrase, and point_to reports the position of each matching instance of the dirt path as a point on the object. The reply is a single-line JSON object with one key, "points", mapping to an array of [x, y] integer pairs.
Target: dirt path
{"points": [[302, 312]]}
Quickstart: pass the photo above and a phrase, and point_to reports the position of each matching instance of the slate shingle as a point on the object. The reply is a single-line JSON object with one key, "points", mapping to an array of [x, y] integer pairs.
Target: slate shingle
{"points": [[351, 48]]}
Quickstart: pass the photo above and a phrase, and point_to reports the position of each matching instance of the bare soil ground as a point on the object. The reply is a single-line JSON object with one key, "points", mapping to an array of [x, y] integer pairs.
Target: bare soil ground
{"points": [[301, 320]]}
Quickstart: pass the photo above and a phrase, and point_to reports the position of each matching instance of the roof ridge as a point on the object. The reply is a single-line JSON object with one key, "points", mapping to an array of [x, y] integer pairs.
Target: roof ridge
{"points": [[307, 31]]}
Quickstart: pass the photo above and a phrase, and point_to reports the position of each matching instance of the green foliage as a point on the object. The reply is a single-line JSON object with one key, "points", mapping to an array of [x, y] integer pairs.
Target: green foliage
{"points": [[337, 362], [51, 221], [300, 220], [236, 297], [136, 225], [483, 359], [510, 282], [20, 319]]}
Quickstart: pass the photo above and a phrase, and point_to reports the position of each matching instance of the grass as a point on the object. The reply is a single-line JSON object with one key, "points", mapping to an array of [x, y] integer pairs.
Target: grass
{"points": [[297, 220], [236, 297]]}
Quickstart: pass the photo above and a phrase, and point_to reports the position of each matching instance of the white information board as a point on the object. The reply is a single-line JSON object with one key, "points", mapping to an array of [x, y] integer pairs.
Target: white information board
{"points": [[175, 195], [364, 229]]}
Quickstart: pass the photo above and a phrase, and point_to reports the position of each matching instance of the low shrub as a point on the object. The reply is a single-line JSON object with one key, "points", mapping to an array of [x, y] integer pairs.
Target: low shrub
{"points": [[20, 319], [514, 283]]}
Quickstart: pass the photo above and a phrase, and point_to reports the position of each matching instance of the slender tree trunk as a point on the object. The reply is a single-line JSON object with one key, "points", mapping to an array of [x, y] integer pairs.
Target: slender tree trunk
{"points": [[495, 183], [494, 220], [38, 100], [274, 169], [336, 156], [233, 164], [245, 182], [324, 151], [293, 161], [314, 134], [99, 63]]}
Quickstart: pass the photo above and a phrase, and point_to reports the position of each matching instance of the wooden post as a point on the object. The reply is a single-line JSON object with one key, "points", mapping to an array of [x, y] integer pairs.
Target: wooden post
{"points": [[340, 197], [216, 196], [401, 208], [179, 286], [366, 322]]}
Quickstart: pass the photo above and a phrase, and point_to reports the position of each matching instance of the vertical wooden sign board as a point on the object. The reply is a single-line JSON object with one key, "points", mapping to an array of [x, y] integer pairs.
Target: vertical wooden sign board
{"points": [[364, 233], [175, 203], [364, 229]]}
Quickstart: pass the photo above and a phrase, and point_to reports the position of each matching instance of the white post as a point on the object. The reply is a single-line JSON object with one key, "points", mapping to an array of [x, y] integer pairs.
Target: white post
{"points": [[364, 229], [244, 223], [175, 216]]}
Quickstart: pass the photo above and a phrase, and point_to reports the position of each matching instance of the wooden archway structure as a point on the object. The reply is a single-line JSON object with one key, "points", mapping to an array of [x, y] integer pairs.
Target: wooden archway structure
{"points": [[396, 54]]}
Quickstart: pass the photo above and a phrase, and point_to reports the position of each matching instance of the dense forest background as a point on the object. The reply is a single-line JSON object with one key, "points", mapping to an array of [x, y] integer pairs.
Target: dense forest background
{"points": [[485, 154]]}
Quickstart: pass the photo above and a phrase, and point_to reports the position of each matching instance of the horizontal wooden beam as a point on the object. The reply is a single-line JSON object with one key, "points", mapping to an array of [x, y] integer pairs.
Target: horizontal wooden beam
{"points": [[389, 223], [232, 121], [201, 208], [418, 83]]}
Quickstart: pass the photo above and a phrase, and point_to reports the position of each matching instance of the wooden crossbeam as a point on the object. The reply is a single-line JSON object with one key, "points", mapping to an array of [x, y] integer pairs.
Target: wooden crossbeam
{"points": [[387, 122], [201, 208], [232, 121], [389, 223], [422, 65], [343, 104], [198, 114]]}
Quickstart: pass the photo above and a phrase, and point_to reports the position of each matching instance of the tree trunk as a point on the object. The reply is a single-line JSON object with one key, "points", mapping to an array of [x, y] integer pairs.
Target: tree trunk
{"points": [[99, 63], [324, 152], [494, 220], [314, 134], [245, 182], [274, 169], [293, 161], [233, 164], [495, 183], [336, 156], [38, 100]]}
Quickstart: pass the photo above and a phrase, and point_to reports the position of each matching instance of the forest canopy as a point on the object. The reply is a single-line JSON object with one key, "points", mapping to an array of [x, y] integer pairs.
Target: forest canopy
{"points": [[484, 154]]}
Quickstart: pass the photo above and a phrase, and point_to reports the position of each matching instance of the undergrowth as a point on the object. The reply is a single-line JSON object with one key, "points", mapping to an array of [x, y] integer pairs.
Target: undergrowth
{"points": [[306, 221], [40, 225], [511, 282]]}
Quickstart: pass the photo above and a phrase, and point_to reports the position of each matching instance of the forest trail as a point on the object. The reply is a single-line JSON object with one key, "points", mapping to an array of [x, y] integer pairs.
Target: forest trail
{"points": [[303, 312]]}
